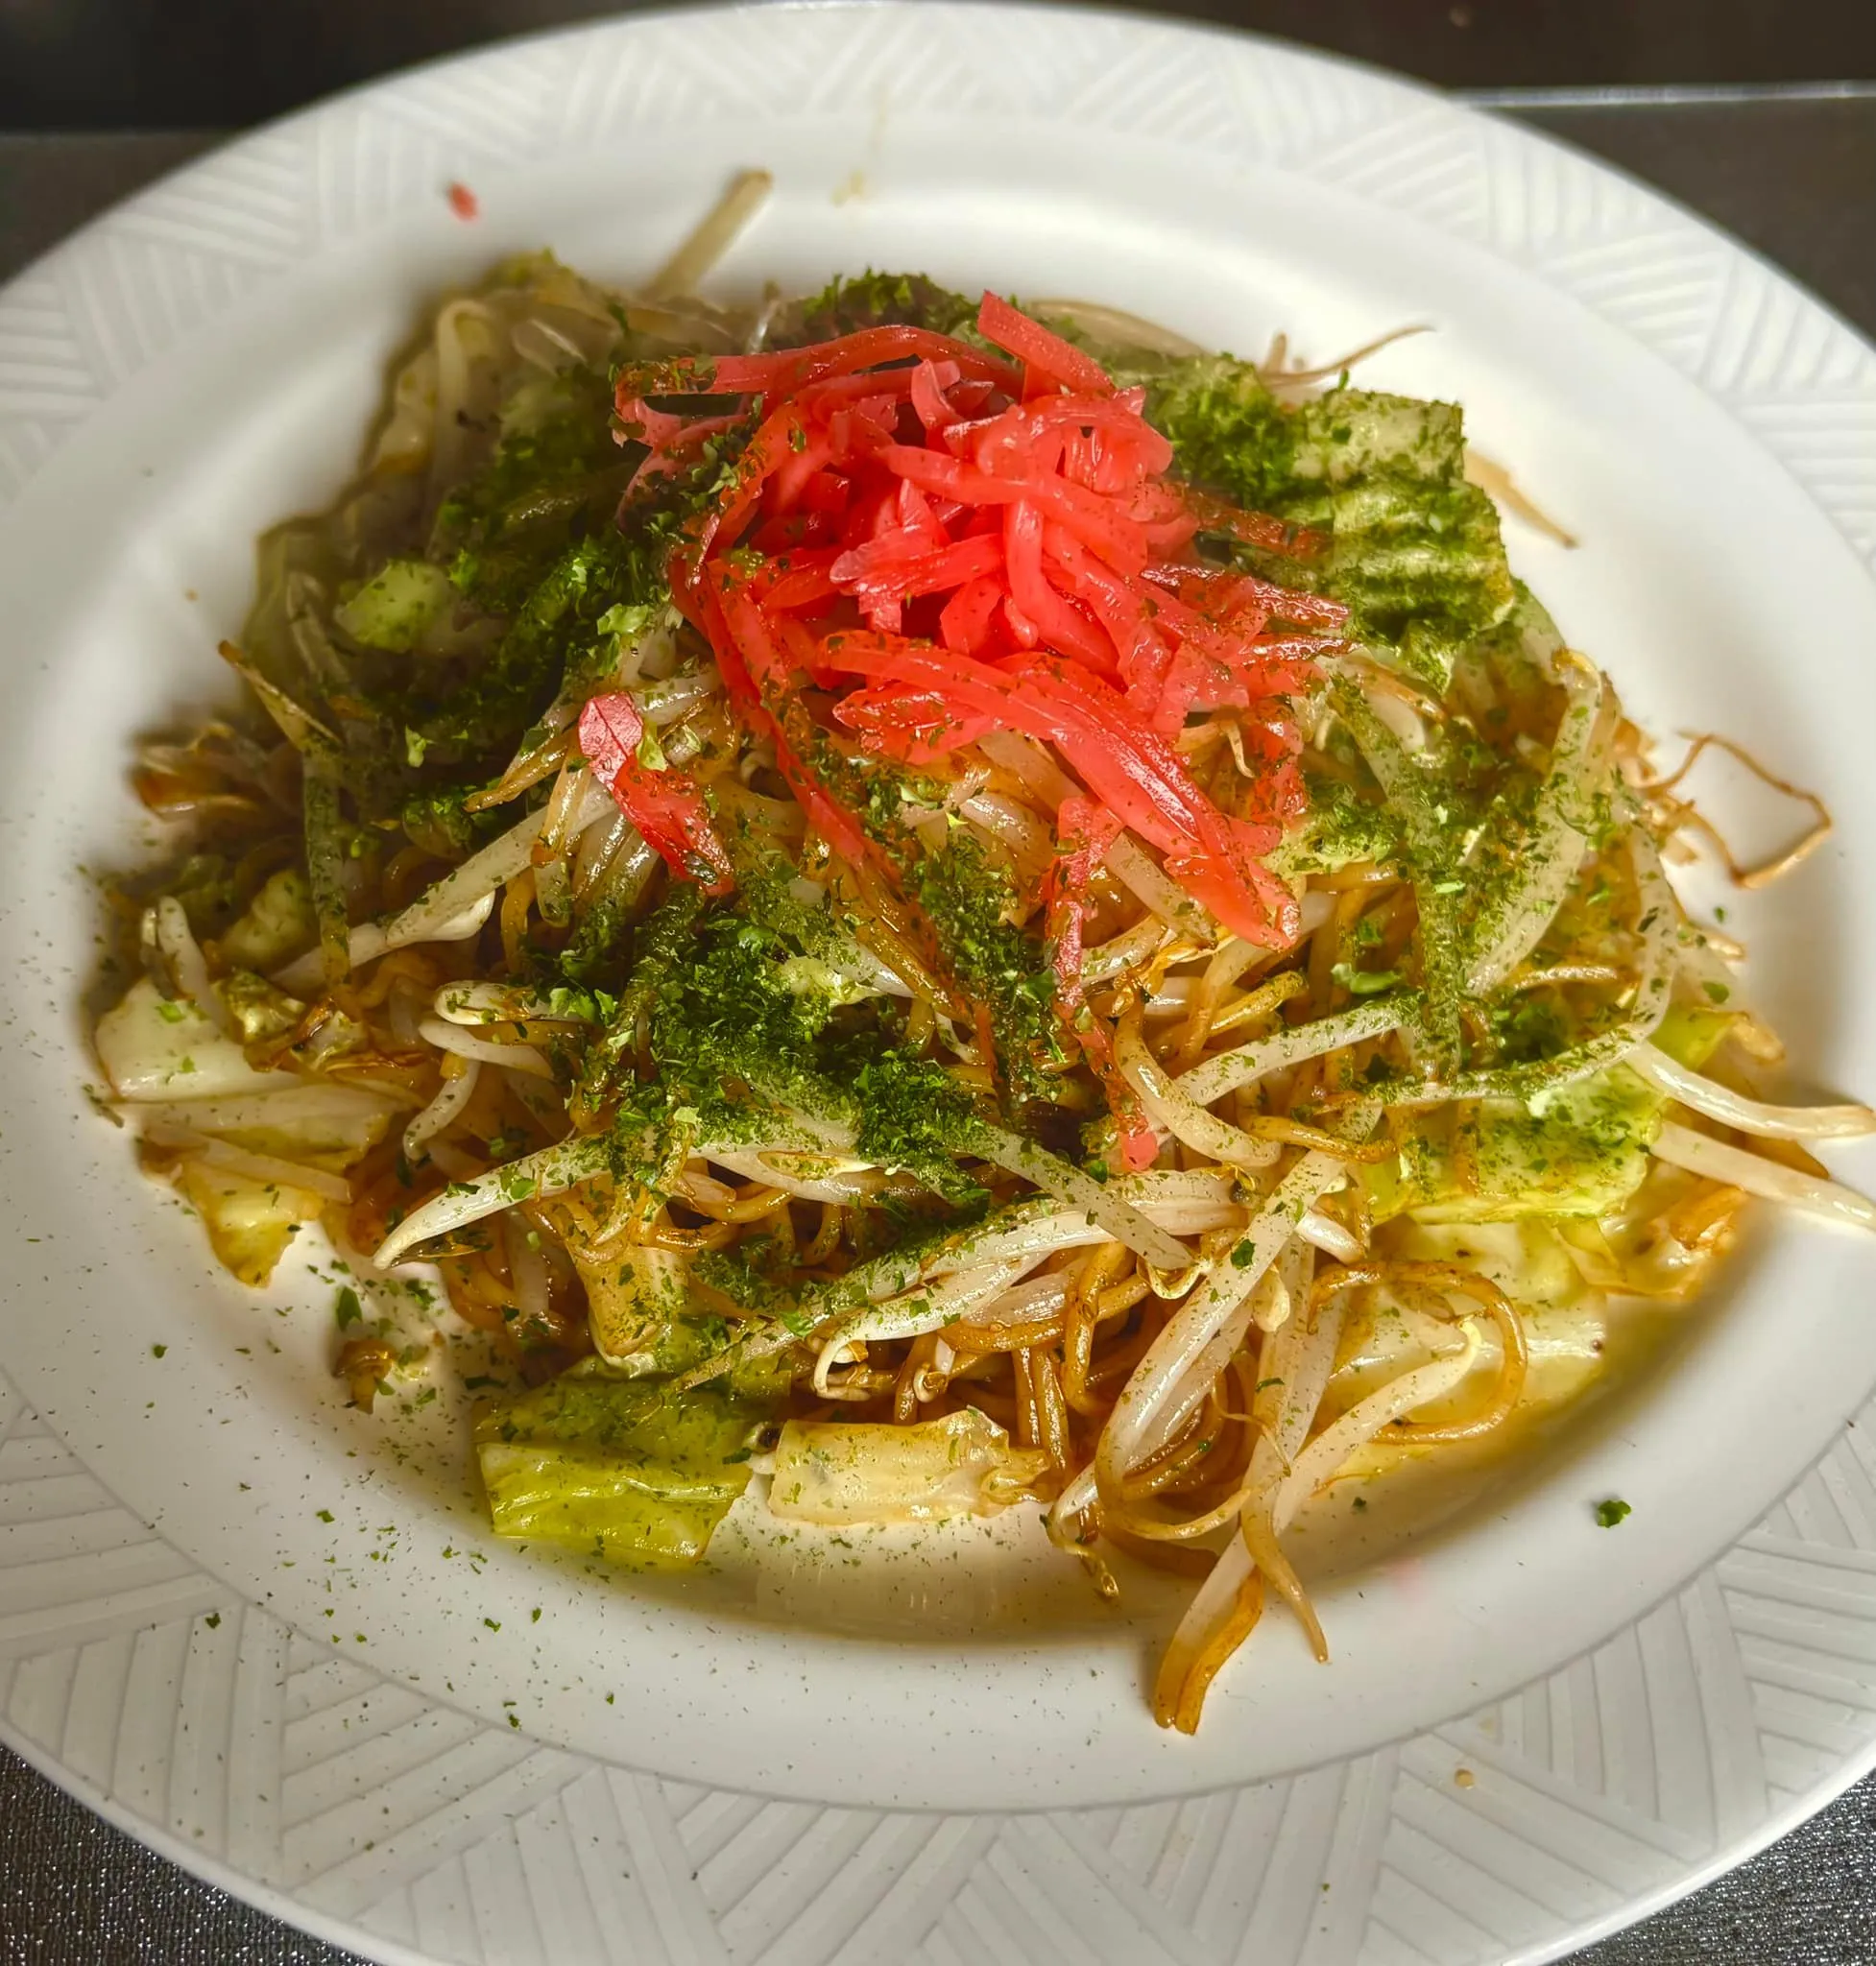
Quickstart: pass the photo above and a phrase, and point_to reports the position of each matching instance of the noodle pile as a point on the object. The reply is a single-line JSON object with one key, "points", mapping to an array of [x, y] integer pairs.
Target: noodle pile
{"points": [[525, 946]]}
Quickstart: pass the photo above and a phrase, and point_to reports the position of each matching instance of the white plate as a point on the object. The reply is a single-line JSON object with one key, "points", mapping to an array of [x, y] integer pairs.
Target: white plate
{"points": [[323, 1714]]}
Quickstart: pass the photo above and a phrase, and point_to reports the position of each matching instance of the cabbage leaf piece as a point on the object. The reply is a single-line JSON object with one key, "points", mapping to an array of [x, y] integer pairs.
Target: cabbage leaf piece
{"points": [[617, 1468], [635, 1304], [276, 925], [249, 1223], [840, 1473], [393, 608], [1412, 547], [1583, 1154], [155, 1048], [1566, 1322]]}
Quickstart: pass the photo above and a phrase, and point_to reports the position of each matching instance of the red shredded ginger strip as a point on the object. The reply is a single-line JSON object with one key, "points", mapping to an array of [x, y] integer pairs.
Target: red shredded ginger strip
{"points": [[665, 804], [956, 543], [1084, 831]]}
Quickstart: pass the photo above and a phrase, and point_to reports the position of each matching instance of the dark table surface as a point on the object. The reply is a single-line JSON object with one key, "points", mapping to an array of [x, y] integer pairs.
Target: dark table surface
{"points": [[1762, 116]]}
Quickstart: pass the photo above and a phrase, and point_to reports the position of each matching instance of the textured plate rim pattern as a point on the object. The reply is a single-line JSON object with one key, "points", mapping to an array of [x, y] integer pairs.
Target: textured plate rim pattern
{"points": [[332, 1796]]}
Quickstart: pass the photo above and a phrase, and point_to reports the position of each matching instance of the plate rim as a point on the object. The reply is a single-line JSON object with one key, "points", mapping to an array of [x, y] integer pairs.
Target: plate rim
{"points": [[1726, 1853]]}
